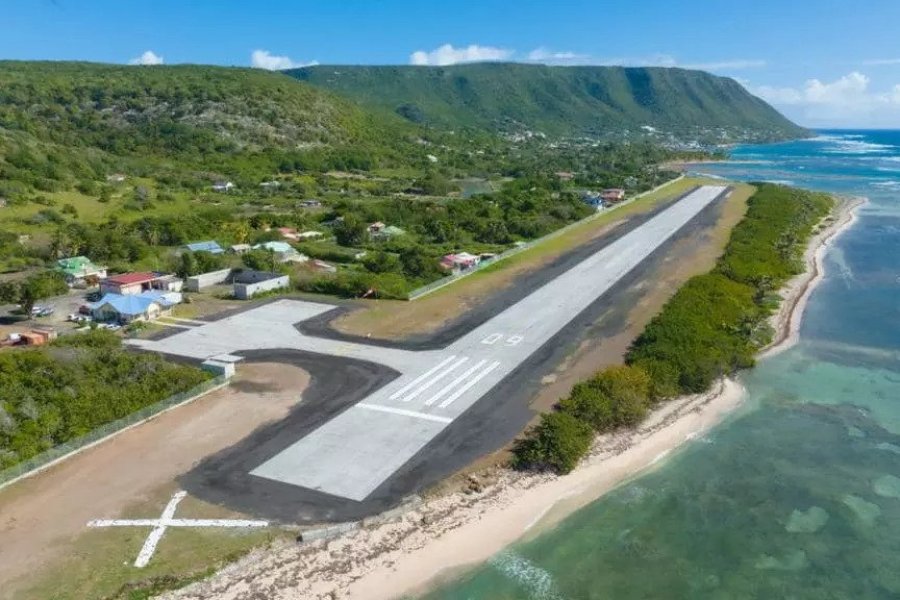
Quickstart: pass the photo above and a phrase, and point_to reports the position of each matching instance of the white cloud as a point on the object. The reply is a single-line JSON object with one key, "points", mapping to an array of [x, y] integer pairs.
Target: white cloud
{"points": [[846, 101], [448, 55], [263, 59], [147, 58], [551, 57]]}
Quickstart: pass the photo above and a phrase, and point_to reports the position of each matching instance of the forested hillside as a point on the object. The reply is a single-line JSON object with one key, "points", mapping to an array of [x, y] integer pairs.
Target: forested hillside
{"points": [[562, 101], [70, 121]]}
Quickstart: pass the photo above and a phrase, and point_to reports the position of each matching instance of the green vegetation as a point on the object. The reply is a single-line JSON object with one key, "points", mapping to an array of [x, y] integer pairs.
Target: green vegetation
{"points": [[711, 327], [53, 394], [36, 287], [560, 101]]}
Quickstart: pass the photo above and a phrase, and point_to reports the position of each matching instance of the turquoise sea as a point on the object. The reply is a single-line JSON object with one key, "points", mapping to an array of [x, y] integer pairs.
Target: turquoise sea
{"points": [[798, 494]]}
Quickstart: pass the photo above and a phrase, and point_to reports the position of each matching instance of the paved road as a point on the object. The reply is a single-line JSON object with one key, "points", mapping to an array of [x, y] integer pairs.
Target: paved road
{"points": [[355, 452]]}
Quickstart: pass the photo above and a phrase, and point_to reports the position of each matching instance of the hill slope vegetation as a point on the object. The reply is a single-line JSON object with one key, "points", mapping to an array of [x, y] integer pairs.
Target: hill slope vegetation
{"points": [[81, 119], [560, 101]]}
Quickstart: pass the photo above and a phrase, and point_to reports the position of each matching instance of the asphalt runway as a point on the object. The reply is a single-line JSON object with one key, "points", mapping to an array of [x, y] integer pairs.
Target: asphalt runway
{"points": [[401, 419]]}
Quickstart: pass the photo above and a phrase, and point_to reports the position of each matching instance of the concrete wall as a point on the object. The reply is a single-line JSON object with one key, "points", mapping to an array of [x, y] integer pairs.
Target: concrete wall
{"points": [[245, 291], [250, 276], [218, 367], [205, 280]]}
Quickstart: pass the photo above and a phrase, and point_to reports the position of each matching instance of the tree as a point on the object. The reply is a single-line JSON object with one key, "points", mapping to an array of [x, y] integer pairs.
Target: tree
{"points": [[187, 265], [418, 264], [350, 231], [615, 397], [259, 260], [381, 262], [39, 286], [558, 442]]}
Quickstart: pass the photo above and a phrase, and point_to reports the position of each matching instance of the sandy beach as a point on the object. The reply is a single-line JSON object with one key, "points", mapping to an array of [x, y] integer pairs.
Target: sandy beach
{"points": [[796, 293], [450, 532]]}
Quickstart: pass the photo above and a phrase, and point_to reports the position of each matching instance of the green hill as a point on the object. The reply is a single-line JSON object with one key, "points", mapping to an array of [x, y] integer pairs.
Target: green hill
{"points": [[65, 119], [559, 101]]}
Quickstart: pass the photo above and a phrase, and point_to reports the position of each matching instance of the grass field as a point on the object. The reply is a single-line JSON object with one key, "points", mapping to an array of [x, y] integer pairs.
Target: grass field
{"points": [[100, 563], [394, 319]]}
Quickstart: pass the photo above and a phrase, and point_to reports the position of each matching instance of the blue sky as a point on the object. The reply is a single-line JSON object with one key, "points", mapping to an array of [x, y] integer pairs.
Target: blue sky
{"points": [[822, 62]]}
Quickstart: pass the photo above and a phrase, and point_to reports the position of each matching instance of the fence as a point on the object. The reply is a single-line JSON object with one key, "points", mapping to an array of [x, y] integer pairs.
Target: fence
{"points": [[445, 281], [50, 457]]}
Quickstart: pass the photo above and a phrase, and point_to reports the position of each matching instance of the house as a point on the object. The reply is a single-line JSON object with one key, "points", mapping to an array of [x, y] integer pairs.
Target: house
{"points": [[270, 185], [222, 186], [116, 178], [129, 284], [167, 282], [248, 283], [239, 248], [565, 175], [165, 299], [288, 233], [79, 269], [462, 261], [309, 204], [283, 251], [388, 232], [126, 309], [208, 246], [376, 227], [612, 195], [308, 235]]}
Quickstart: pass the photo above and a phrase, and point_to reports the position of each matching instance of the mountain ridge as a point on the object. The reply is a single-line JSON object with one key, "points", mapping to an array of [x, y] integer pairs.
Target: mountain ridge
{"points": [[558, 100]]}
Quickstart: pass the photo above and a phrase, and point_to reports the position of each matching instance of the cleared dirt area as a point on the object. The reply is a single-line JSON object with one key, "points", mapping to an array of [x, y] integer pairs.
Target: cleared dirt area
{"points": [[41, 517], [395, 319]]}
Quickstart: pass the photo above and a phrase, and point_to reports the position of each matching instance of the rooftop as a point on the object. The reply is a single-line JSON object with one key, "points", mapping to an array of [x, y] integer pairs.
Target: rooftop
{"points": [[131, 278]]}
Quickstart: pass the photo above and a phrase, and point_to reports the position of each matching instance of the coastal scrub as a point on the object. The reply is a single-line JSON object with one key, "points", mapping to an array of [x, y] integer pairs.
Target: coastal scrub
{"points": [[713, 326]]}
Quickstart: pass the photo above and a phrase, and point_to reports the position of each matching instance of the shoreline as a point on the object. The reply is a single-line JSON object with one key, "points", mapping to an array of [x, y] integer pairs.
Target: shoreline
{"points": [[448, 534], [797, 292]]}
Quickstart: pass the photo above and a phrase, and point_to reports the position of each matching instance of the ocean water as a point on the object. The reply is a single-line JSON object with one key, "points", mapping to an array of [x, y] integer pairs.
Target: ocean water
{"points": [[797, 495]]}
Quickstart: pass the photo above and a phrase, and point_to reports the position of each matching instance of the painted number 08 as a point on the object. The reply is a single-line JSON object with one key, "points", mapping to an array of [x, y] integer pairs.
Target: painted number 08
{"points": [[512, 340]]}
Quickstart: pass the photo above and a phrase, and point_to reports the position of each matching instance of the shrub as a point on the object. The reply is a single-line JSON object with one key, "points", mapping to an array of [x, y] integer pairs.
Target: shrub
{"points": [[557, 443]]}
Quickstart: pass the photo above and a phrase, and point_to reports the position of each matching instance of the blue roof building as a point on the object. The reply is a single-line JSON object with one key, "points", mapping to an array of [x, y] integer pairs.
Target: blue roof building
{"points": [[133, 307], [209, 246]]}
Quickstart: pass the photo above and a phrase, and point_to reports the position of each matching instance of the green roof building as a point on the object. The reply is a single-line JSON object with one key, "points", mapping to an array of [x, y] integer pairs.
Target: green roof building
{"points": [[78, 268]]}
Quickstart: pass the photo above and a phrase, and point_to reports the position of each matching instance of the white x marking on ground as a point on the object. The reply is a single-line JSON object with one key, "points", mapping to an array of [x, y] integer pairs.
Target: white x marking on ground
{"points": [[167, 520]]}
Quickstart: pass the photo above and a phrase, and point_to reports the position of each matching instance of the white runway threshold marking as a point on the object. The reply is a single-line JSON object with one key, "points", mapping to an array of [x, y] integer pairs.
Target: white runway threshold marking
{"points": [[167, 520], [420, 378], [404, 412]]}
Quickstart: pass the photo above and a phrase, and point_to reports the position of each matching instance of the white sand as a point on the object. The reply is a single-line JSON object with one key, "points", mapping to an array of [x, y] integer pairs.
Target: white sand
{"points": [[460, 529], [796, 293]]}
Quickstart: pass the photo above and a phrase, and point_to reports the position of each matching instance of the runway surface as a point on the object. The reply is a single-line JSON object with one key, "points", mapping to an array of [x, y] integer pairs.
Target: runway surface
{"points": [[361, 447]]}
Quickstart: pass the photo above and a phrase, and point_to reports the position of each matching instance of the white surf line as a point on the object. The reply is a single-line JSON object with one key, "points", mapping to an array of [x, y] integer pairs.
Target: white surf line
{"points": [[446, 389], [418, 379], [165, 521], [435, 379], [405, 413], [468, 385]]}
